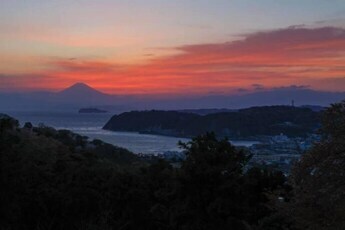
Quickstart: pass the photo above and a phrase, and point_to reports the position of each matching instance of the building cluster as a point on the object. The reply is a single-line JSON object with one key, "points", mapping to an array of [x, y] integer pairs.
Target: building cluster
{"points": [[278, 151], [281, 151]]}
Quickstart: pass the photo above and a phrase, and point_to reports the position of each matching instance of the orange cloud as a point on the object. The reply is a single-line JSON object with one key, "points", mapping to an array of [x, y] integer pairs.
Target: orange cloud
{"points": [[273, 58]]}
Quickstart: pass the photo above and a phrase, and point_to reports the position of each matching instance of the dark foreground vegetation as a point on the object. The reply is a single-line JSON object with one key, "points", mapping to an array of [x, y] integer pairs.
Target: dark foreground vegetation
{"points": [[58, 180], [244, 123]]}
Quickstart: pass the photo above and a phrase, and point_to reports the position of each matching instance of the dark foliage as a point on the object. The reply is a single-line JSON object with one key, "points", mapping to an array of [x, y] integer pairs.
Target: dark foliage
{"points": [[318, 179], [58, 180]]}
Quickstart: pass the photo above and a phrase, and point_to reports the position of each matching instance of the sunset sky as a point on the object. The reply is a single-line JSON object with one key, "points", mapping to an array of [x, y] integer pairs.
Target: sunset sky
{"points": [[172, 46]]}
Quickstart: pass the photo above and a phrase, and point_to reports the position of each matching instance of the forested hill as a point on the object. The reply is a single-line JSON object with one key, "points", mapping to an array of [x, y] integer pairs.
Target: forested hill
{"points": [[55, 179], [32, 140], [244, 123]]}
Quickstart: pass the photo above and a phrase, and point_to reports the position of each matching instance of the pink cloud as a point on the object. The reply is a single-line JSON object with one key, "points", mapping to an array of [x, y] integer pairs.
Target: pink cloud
{"points": [[290, 56]]}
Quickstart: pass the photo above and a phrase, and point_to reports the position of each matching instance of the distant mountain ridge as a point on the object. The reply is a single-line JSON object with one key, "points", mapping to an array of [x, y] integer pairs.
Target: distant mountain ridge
{"points": [[81, 95], [279, 96], [81, 89], [76, 96], [91, 110]]}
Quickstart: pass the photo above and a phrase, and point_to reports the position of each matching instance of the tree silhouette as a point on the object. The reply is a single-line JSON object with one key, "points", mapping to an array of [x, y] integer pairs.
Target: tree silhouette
{"points": [[318, 179]]}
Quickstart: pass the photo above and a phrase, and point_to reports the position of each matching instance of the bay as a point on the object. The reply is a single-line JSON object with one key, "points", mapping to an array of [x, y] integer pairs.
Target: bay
{"points": [[90, 124]]}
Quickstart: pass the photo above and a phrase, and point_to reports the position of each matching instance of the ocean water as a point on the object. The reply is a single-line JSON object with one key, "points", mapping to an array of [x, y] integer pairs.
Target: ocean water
{"points": [[91, 125]]}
